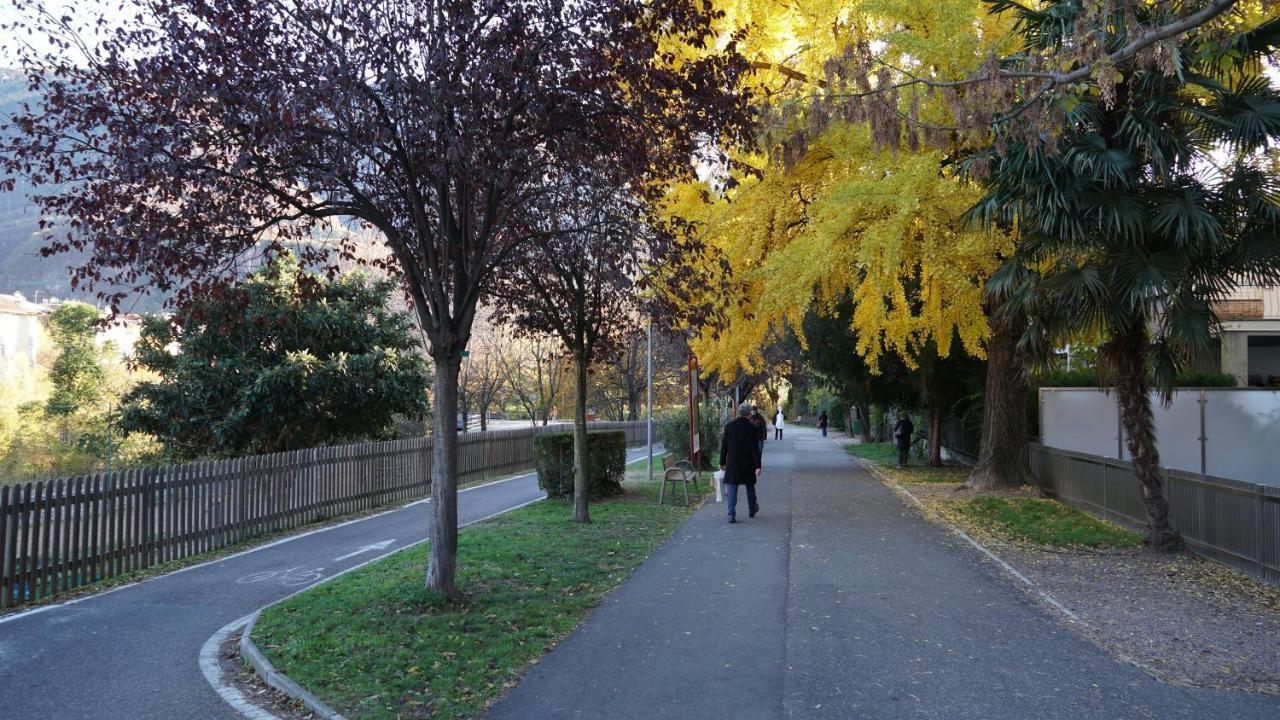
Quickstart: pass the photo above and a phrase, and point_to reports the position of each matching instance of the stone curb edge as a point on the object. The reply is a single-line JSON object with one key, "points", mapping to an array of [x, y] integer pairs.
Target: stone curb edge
{"points": [[278, 680], [897, 487]]}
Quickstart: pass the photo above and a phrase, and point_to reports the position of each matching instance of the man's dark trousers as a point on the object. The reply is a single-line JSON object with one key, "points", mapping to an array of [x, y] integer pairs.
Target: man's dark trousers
{"points": [[731, 494]]}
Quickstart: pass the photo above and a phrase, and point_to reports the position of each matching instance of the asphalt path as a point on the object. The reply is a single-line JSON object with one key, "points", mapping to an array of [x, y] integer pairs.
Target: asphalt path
{"points": [[838, 601], [134, 652]]}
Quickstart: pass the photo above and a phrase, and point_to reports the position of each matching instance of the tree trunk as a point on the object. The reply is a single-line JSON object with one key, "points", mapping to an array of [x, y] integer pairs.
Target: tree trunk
{"points": [[864, 413], [633, 405], [1127, 353], [443, 534], [1002, 455], [935, 431], [581, 511]]}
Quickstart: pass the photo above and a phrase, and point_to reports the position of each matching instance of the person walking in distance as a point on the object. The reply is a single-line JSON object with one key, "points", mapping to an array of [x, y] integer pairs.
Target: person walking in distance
{"points": [[822, 423], [902, 436], [761, 425], [740, 460], [778, 424]]}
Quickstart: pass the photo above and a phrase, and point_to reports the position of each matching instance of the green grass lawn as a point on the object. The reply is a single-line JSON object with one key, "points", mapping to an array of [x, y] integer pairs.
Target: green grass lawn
{"points": [[1047, 522], [638, 475], [375, 644], [885, 455]]}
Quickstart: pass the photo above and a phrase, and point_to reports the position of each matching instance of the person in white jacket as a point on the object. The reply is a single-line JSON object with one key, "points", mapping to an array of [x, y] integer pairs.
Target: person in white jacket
{"points": [[778, 424]]}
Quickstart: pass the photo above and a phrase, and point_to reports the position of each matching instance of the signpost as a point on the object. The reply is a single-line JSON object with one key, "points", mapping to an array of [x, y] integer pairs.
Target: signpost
{"points": [[695, 445]]}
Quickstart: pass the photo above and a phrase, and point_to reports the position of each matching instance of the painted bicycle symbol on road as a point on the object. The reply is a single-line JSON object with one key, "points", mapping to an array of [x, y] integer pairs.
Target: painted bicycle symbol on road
{"points": [[292, 577]]}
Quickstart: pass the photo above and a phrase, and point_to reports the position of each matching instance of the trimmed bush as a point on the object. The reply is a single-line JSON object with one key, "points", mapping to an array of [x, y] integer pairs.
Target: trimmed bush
{"points": [[1206, 379], [1080, 377], [1088, 377], [673, 429], [606, 463]]}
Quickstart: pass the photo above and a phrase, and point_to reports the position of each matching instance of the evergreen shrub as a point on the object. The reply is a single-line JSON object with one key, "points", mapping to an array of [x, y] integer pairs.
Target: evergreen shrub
{"points": [[606, 463], [673, 429]]}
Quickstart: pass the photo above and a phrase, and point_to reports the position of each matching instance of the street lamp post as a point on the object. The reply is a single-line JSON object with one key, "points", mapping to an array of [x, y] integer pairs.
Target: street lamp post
{"points": [[649, 396]]}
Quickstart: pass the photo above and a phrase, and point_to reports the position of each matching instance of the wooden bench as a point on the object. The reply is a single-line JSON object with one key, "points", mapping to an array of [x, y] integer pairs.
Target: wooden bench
{"points": [[678, 472]]}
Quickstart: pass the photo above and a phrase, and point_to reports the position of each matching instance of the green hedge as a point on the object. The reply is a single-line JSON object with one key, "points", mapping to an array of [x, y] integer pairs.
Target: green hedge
{"points": [[606, 463], [1087, 377], [673, 429]]}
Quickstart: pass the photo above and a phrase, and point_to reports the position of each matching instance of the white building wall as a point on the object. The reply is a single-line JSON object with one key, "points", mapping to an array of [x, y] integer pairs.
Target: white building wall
{"points": [[20, 340], [1224, 432]]}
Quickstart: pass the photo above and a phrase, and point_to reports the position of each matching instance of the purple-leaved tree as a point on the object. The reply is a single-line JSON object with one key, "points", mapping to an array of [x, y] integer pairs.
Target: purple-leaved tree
{"points": [[178, 145], [580, 287]]}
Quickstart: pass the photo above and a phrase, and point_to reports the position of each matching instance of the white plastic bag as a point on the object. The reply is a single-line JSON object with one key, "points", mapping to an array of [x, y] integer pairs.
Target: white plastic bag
{"points": [[717, 479]]}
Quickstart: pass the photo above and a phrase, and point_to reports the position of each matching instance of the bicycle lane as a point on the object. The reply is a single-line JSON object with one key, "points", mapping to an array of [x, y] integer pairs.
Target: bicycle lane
{"points": [[135, 651]]}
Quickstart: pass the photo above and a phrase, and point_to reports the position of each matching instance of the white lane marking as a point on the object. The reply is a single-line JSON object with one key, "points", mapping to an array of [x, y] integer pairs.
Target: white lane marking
{"points": [[292, 577], [367, 548], [212, 670]]}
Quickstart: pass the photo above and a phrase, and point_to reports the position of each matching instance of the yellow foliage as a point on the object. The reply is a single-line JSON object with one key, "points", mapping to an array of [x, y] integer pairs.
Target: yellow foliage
{"points": [[22, 387], [848, 216]]}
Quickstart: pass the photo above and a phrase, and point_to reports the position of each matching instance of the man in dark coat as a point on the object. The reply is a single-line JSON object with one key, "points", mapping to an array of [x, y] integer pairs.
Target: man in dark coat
{"points": [[902, 436], [740, 460], [822, 423]]}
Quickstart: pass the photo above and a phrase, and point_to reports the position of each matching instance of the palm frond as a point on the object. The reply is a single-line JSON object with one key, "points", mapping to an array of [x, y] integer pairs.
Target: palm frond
{"points": [[1248, 116], [1257, 41], [1090, 157], [1180, 215], [1120, 215]]}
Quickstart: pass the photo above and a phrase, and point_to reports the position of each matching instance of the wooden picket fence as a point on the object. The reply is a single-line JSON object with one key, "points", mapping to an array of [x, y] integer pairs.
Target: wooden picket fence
{"points": [[61, 534]]}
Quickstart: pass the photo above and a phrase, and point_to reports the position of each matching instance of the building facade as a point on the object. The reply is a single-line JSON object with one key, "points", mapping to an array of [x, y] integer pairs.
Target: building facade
{"points": [[1250, 341], [21, 333]]}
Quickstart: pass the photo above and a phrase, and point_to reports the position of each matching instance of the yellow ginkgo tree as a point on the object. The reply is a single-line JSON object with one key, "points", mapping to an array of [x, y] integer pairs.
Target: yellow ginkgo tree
{"points": [[849, 218], [851, 193]]}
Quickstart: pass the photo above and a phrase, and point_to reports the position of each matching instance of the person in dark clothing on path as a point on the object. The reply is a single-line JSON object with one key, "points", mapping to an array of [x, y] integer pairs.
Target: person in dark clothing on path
{"points": [[902, 436], [740, 460], [822, 423], [759, 422]]}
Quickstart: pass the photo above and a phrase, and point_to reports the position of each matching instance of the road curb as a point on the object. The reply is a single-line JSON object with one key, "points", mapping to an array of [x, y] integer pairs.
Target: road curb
{"points": [[278, 680], [263, 668]]}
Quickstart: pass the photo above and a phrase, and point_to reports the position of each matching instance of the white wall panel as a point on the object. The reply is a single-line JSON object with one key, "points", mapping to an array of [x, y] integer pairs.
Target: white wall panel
{"points": [[1243, 430]]}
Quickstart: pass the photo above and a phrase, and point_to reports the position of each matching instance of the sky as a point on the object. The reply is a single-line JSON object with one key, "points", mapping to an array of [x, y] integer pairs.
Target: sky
{"points": [[59, 8]]}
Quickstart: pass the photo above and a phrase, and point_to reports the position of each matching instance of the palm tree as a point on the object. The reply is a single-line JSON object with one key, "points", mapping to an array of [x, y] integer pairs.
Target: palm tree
{"points": [[1150, 206]]}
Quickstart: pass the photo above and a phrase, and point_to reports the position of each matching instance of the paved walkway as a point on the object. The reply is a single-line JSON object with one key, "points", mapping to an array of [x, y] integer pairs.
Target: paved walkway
{"points": [[838, 601]]}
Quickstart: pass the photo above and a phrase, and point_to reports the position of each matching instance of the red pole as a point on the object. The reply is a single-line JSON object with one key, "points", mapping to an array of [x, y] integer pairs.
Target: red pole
{"points": [[694, 450]]}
